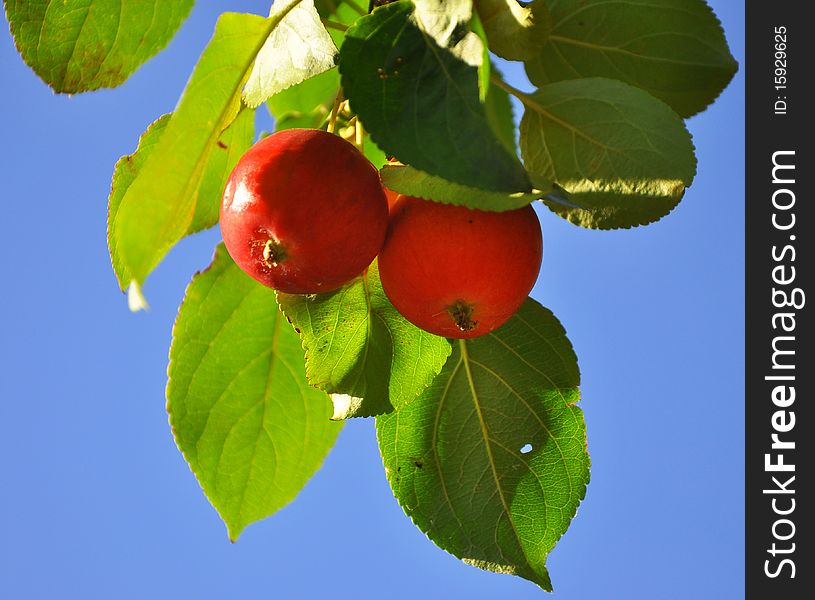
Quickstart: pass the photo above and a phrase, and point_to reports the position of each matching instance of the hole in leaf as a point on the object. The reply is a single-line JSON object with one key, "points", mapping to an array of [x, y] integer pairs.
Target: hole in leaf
{"points": [[526, 448]]}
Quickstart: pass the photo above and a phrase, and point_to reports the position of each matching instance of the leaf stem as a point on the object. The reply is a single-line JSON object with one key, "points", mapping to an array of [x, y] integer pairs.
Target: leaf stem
{"points": [[356, 7], [359, 135], [465, 359], [332, 121], [334, 25], [522, 96]]}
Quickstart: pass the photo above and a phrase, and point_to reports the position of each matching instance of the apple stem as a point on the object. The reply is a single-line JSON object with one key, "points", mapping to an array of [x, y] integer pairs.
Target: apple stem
{"points": [[334, 25], [273, 253], [332, 121], [358, 133]]}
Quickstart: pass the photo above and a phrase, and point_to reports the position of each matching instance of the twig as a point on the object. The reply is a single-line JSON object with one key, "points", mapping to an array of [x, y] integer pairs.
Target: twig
{"points": [[356, 8], [332, 122], [334, 25]]}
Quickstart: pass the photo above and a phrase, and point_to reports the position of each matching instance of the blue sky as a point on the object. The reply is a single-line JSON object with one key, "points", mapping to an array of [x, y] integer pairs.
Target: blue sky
{"points": [[97, 502]]}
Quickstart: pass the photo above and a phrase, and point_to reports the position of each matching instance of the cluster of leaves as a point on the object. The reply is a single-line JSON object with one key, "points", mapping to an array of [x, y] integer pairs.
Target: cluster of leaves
{"points": [[481, 440]]}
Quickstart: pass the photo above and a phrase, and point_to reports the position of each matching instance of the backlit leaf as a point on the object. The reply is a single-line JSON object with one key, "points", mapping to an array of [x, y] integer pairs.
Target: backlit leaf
{"points": [[249, 425], [674, 49], [298, 48], [491, 461], [623, 157], [412, 182], [361, 350], [159, 206], [82, 45], [421, 102], [231, 145], [514, 32]]}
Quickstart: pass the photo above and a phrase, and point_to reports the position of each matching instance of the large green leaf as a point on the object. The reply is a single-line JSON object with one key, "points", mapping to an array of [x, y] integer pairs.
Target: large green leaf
{"points": [[361, 350], [82, 45], [124, 173], [514, 32], [249, 425], [412, 182], [231, 145], [159, 206], [491, 461], [233, 142], [623, 157], [674, 49], [298, 48], [420, 102]]}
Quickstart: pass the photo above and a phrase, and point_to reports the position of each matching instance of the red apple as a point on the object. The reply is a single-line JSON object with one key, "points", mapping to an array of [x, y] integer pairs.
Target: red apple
{"points": [[304, 212], [457, 272]]}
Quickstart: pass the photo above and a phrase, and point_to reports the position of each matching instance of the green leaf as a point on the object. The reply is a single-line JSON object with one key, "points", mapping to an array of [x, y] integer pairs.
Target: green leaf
{"points": [[445, 21], [623, 157], [231, 145], [158, 207], [514, 32], [308, 104], [484, 67], [312, 120], [491, 461], [611, 210], [373, 153], [500, 114], [124, 173], [674, 49], [307, 97], [420, 102], [299, 48], [83, 45], [249, 425], [326, 8], [412, 182], [344, 12], [361, 350]]}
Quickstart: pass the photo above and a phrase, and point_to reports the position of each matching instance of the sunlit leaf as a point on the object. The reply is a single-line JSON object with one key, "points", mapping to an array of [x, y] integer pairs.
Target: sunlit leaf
{"points": [[674, 49], [361, 350], [514, 32], [159, 206], [491, 461], [622, 157], [412, 182], [82, 45], [298, 48], [249, 425], [421, 102]]}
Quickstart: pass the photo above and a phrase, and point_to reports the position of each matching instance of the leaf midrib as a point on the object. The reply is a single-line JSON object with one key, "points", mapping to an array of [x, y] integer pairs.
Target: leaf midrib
{"points": [[619, 50], [434, 442], [239, 521], [465, 359]]}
